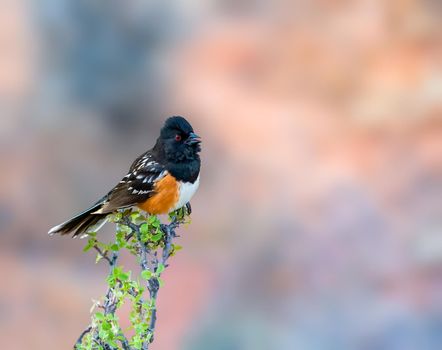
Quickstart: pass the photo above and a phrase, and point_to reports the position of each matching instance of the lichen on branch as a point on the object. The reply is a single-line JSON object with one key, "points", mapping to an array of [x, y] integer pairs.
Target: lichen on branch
{"points": [[151, 243]]}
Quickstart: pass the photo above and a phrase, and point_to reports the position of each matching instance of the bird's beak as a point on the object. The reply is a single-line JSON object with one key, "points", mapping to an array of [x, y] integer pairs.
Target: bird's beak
{"points": [[193, 139]]}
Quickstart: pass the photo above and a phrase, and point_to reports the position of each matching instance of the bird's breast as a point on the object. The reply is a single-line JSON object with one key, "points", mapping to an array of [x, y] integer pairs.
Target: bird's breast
{"points": [[186, 192], [169, 195], [166, 195]]}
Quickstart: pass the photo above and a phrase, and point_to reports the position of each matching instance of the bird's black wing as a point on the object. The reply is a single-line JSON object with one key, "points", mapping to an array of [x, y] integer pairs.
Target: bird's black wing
{"points": [[136, 187]]}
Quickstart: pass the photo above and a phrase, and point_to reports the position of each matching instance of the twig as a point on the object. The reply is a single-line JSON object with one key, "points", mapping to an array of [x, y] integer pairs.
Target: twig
{"points": [[102, 254], [80, 339]]}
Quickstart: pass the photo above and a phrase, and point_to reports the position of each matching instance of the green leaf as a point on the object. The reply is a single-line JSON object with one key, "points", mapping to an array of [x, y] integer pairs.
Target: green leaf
{"points": [[106, 326], [146, 306], [135, 216], [90, 243], [144, 229], [102, 334], [124, 229], [117, 271], [123, 276], [156, 237], [99, 316], [111, 281], [116, 217], [160, 268], [113, 343], [114, 247], [146, 274]]}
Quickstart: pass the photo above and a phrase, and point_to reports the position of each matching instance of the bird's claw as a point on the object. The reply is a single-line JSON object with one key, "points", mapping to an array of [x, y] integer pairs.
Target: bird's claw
{"points": [[188, 208]]}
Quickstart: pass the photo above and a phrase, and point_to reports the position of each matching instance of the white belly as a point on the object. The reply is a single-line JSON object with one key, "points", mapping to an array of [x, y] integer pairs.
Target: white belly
{"points": [[187, 190]]}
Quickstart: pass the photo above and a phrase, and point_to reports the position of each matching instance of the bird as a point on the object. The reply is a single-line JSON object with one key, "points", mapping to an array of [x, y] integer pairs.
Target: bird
{"points": [[159, 181]]}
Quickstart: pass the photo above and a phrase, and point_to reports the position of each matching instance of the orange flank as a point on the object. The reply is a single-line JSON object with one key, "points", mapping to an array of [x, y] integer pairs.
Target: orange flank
{"points": [[165, 198]]}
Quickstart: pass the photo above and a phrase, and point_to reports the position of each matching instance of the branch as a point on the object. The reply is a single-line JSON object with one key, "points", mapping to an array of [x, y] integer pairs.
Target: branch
{"points": [[152, 244], [103, 254], [80, 339]]}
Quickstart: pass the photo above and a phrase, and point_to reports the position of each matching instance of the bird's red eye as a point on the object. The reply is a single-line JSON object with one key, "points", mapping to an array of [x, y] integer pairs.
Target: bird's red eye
{"points": [[177, 137]]}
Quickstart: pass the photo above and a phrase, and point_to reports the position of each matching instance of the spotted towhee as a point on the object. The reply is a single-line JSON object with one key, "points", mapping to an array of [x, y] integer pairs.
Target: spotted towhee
{"points": [[159, 181]]}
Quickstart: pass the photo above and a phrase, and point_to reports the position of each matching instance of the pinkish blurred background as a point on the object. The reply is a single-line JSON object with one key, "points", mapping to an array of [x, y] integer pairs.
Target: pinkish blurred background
{"points": [[318, 224]]}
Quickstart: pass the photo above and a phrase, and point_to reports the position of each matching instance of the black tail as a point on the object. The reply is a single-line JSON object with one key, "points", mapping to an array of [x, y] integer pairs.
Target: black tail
{"points": [[82, 222]]}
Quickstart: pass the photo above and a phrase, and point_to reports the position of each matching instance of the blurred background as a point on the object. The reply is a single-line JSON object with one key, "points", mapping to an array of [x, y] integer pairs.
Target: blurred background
{"points": [[318, 224]]}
